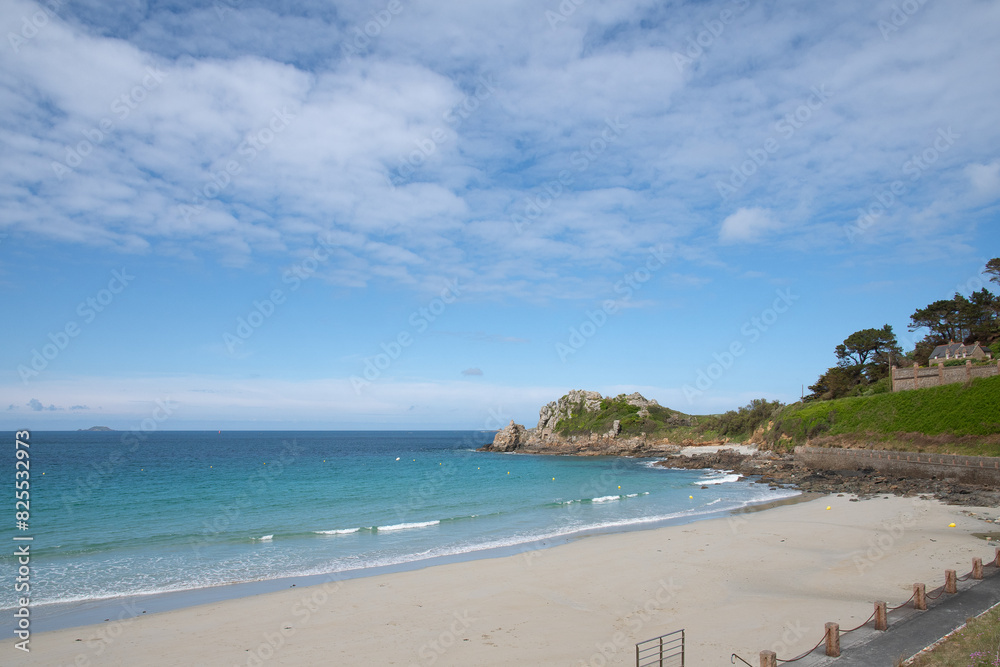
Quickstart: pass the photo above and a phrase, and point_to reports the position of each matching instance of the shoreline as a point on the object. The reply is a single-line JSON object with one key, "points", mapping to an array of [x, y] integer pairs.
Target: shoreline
{"points": [[58, 616], [739, 583]]}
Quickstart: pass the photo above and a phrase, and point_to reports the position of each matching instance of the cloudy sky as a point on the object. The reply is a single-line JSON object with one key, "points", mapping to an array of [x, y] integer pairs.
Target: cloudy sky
{"points": [[442, 214]]}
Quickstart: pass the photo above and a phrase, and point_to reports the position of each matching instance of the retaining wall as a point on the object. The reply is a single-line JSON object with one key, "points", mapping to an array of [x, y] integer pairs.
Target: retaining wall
{"points": [[917, 377], [966, 469]]}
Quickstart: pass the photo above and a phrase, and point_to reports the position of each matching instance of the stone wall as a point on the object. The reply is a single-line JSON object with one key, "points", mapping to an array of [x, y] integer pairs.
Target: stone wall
{"points": [[919, 378], [966, 469]]}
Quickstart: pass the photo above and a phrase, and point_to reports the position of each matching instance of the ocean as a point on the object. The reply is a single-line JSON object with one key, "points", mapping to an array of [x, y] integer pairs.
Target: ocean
{"points": [[113, 516]]}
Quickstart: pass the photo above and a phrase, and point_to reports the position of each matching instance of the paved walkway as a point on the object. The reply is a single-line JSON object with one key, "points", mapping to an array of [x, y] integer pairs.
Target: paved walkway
{"points": [[911, 631]]}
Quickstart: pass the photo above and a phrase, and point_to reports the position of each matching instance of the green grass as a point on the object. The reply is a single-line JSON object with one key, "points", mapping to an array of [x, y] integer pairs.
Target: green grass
{"points": [[661, 421], [960, 409], [976, 645]]}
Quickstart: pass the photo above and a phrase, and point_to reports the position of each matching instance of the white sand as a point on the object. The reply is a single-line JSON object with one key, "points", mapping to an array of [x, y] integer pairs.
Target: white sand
{"points": [[761, 580], [695, 450]]}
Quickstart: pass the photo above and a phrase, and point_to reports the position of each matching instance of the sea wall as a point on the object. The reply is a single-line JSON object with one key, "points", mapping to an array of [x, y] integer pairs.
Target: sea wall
{"points": [[919, 378], [965, 469]]}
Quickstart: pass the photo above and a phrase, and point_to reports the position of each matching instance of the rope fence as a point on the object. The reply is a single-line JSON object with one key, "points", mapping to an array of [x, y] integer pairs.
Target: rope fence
{"points": [[919, 599]]}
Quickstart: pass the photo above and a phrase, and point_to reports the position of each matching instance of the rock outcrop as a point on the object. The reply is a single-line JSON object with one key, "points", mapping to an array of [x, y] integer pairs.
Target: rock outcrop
{"points": [[545, 439], [510, 438]]}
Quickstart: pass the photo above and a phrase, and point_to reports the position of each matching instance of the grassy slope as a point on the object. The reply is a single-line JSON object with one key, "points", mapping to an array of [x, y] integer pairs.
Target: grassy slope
{"points": [[952, 410], [978, 644], [661, 422]]}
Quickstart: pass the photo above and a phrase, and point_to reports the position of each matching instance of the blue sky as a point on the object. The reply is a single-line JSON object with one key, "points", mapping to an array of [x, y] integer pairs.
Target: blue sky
{"points": [[412, 214]]}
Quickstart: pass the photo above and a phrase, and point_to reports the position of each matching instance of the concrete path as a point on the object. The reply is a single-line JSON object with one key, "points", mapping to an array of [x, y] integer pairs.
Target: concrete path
{"points": [[911, 631]]}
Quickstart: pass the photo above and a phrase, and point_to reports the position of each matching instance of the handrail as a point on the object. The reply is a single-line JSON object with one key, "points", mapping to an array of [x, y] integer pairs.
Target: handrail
{"points": [[665, 647], [940, 591]]}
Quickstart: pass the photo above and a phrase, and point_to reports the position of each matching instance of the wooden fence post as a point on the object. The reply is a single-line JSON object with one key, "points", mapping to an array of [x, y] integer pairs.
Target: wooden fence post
{"points": [[768, 659], [950, 582], [833, 640], [977, 568], [919, 597], [881, 619], [997, 561]]}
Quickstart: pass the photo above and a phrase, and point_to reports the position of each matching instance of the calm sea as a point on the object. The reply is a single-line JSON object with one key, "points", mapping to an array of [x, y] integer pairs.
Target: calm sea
{"points": [[115, 516]]}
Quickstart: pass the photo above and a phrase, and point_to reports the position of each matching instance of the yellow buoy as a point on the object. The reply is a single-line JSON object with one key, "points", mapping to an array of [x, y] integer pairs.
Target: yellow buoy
{"points": [[553, 479], [619, 486], [691, 497]]}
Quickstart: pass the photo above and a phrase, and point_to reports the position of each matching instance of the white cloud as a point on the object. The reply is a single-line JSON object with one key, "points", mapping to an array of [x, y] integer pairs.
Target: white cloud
{"points": [[747, 225], [553, 93], [985, 178]]}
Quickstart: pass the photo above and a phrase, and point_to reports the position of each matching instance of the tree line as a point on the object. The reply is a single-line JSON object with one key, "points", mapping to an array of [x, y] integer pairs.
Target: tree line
{"points": [[865, 357]]}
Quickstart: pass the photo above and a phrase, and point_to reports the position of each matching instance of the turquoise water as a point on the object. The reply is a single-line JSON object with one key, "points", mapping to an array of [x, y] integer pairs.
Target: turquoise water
{"points": [[112, 515]]}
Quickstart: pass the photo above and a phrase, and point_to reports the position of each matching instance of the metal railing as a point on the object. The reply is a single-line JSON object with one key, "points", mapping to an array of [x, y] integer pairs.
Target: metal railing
{"points": [[663, 651]]}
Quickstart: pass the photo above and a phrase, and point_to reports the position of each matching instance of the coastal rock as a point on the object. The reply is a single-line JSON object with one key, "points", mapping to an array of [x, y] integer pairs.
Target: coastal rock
{"points": [[545, 439], [554, 412], [782, 470], [509, 439]]}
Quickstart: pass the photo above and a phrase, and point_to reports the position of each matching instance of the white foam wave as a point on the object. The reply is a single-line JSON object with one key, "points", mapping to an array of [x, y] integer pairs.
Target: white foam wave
{"points": [[724, 479], [339, 531], [407, 526], [605, 499], [265, 538]]}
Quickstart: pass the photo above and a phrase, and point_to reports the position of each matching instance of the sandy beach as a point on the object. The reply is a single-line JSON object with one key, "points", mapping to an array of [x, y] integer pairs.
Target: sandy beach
{"points": [[752, 581]]}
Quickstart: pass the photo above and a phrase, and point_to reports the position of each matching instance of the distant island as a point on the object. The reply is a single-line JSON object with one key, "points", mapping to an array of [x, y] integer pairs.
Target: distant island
{"points": [[96, 428]]}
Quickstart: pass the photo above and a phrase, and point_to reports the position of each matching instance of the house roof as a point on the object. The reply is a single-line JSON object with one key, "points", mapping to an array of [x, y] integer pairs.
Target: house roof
{"points": [[952, 350]]}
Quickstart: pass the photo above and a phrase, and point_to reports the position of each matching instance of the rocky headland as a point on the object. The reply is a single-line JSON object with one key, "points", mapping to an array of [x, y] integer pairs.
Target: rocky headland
{"points": [[551, 435], [554, 434]]}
